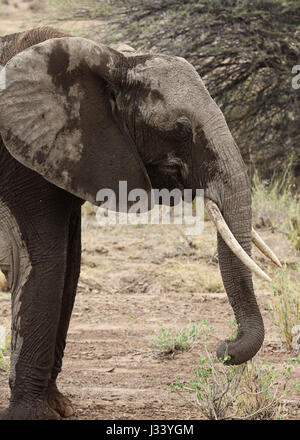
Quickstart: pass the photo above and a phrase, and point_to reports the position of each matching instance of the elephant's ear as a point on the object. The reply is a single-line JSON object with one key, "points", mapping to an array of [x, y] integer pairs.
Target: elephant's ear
{"points": [[56, 117]]}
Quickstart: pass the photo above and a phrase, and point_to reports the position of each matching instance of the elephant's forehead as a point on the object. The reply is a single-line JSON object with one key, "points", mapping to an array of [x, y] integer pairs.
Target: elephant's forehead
{"points": [[164, 69], [172, 82]]}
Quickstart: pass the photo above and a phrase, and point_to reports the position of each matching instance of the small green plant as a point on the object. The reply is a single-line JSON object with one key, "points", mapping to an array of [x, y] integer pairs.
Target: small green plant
{"points": [[285, 305], [247, 391], [169, 341]]}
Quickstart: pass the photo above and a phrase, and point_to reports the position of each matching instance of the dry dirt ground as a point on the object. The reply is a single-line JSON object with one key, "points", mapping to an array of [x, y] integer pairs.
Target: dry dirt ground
{"points": [[135, 280]]}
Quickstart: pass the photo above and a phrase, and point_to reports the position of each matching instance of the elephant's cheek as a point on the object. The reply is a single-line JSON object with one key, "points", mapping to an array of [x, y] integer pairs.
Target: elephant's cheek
{"points": [[15, 261]]}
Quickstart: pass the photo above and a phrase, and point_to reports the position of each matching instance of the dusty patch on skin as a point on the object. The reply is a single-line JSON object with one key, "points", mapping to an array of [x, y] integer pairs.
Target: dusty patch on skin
{"points": [[38, 120], [68, 150], [14, 260], [81, 49], [46, 133], [77, 94]]}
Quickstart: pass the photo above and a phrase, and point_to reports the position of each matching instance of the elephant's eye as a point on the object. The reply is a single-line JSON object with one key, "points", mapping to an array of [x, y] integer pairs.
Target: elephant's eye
{"points": [[184, 128], [113, 95], [113, 99]]}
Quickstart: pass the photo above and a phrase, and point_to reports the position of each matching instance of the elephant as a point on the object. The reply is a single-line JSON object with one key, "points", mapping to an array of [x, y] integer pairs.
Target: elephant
{"points": [[75, 117]]}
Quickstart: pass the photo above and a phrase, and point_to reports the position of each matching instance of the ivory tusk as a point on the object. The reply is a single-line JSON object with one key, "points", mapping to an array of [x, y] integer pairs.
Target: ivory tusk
{"points": [[258, 241], [231, 241]]}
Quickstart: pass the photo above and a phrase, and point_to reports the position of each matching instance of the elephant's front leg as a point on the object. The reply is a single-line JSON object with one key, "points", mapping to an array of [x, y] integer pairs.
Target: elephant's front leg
{"points": [[38, 251], [57, 400]]}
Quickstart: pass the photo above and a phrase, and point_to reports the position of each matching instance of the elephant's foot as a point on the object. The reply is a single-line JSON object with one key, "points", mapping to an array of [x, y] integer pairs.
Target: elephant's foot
{"points": [[25, 411], [58, 402]]}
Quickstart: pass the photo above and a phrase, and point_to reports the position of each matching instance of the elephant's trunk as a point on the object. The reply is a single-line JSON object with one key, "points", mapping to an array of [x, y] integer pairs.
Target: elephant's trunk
{"points": [[226, 183], [237, 279]]}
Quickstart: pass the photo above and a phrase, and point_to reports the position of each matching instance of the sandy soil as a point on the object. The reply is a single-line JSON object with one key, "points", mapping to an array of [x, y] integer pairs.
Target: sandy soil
{"points": [[135, 280]]}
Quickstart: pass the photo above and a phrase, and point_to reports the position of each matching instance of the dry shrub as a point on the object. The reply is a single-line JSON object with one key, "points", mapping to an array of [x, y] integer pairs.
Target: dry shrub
{"points": [[249, 391], [285, 305]]}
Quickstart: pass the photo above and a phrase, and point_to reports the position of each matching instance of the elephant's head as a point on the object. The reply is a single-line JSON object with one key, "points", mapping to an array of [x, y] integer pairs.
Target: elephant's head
{"points": [[86, 116]]}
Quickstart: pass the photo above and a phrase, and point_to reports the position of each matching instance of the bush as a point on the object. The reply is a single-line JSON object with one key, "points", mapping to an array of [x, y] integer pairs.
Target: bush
{"points": [[248, 391]]}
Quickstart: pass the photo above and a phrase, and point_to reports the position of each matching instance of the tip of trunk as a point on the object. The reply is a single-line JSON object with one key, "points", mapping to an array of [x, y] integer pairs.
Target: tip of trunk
{"points": [[243, 348]]}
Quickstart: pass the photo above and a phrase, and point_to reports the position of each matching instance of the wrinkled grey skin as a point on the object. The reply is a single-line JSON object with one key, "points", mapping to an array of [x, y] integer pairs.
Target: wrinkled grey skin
{"points": [[76, 117]]}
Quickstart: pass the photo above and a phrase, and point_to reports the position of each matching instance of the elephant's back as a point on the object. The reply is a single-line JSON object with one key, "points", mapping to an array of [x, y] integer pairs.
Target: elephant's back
{"points": [[11, 45]]}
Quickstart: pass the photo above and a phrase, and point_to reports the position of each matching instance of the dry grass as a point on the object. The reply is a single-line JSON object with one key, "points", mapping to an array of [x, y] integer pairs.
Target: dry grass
{"points": [[285, 306], [275, 205]]}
